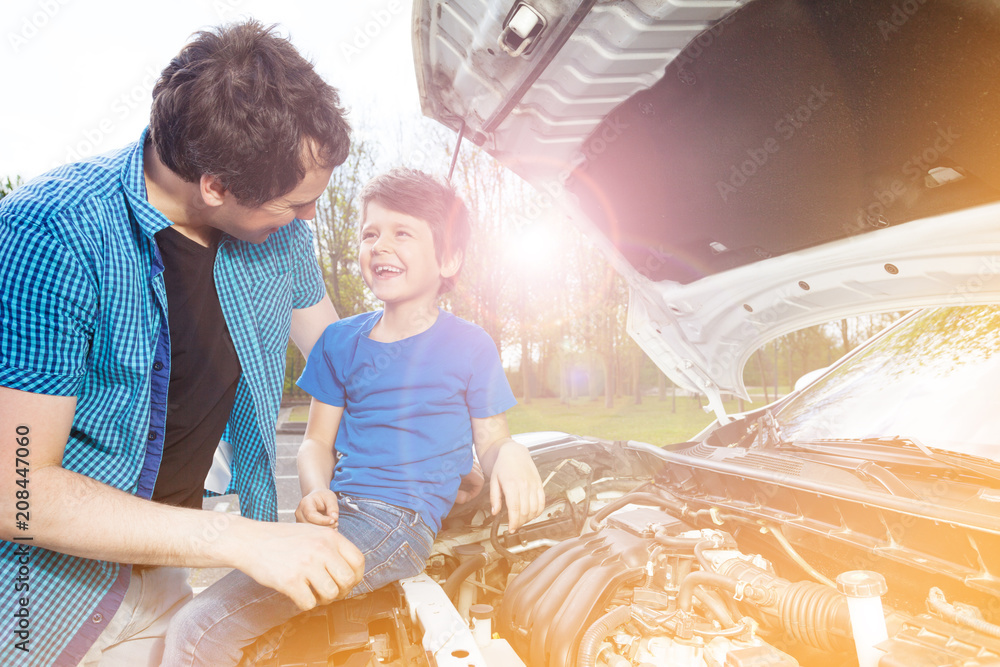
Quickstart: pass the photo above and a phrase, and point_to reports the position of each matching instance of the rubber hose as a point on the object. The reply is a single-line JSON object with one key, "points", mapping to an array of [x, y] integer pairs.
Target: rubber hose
{"points": [[677, 542], [639, 498], [495, 539], [714, 604], [686, 593], [461, 573], [699, 553], [810, 611], [937, 602], [598, 630]]}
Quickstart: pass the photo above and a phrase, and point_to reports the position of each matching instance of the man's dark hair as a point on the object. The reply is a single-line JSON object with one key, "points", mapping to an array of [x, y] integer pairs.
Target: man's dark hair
{"points": [[239, 103], [419, 194]]}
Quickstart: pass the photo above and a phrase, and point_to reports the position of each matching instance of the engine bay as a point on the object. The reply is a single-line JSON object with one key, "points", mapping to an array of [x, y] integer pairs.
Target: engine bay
{"points": [[639, 560]]}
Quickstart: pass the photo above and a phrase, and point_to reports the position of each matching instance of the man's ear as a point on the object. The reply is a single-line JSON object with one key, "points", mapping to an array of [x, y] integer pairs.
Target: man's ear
{"points": [[213, 193], [452, 264]]}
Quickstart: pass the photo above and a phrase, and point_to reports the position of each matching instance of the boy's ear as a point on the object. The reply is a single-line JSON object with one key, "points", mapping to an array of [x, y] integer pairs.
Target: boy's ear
{"points": [[451, 264], [213, 193]]}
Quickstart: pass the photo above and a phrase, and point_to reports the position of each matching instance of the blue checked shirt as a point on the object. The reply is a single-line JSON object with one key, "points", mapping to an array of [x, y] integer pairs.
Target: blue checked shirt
{"points": [[83, 312]]}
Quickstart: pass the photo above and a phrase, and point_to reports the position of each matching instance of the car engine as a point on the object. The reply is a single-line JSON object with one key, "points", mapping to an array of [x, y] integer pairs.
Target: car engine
{"points": [[626, 567]]}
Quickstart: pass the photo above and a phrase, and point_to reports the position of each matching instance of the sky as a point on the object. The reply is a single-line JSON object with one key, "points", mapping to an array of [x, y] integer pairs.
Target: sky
{"points": [[77, 74]]}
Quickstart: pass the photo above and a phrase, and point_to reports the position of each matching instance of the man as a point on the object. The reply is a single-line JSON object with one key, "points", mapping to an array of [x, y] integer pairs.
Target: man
{"points": [[146, 298]]}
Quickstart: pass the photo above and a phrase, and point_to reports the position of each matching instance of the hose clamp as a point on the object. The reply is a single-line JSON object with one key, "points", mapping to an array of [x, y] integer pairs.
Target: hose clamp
{"points": [[740, 588]]}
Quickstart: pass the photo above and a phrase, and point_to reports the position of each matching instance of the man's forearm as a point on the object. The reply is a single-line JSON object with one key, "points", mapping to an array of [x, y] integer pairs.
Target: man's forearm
{"points": [[80, 516], [77, 515]]}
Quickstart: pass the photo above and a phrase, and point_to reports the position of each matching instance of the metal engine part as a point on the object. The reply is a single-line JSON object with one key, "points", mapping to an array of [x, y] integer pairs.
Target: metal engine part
{"points": [[676, 596]]}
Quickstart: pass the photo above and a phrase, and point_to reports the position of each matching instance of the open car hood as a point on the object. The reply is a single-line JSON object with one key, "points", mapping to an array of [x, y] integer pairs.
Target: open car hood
{"points": [[750, 169]]}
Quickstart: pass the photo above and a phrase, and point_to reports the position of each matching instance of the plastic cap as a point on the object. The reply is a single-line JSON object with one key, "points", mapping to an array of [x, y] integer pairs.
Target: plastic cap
{"points": [[464, 551], [481, 610], [862, 584]]}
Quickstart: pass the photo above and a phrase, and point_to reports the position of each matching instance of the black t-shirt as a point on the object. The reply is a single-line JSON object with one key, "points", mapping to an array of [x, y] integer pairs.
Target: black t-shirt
{"points": [[204, 369]]}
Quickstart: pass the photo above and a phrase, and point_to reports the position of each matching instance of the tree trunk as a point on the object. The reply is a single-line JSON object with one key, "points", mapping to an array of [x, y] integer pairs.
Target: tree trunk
{"points": [[775, 370], [591, 377], [542, 376], [525, 370], [609, 380], [636, 385], [763, 379], [791, 377], [564, 389]]}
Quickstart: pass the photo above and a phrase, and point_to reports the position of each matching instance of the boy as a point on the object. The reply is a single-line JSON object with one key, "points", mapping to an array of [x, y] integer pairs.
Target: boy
{"points": [[398, 394]]}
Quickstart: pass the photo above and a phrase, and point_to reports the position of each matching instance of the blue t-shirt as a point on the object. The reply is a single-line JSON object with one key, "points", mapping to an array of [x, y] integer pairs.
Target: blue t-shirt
{"points": [[406, 437]]}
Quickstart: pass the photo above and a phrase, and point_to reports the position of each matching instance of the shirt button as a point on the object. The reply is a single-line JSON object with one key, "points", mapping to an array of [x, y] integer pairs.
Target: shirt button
{"points": [[97, 618], [152, 435], [157, 366]]}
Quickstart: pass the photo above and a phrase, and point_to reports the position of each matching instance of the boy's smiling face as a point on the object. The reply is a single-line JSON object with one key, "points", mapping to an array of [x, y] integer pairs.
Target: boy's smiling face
{"points": [[398, 258]]}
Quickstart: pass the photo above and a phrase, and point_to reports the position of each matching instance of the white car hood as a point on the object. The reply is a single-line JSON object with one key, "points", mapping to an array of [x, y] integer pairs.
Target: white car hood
{"points": [[750, 169]]}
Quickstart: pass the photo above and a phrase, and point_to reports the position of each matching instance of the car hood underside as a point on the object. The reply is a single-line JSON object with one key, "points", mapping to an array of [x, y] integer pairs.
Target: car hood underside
{"points": [[749, 168]]}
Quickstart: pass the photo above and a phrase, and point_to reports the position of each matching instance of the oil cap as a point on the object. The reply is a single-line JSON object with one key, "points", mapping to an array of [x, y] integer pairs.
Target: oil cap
{"points": [[862, 584], [481, 611]]}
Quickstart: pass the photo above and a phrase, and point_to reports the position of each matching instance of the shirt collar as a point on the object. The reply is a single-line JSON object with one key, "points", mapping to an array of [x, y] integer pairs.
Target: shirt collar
{"points": [[148, 217]]}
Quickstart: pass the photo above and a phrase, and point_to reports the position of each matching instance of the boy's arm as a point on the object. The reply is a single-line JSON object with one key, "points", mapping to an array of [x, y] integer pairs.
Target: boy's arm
{"points": [[513, 475], [315, 461]]}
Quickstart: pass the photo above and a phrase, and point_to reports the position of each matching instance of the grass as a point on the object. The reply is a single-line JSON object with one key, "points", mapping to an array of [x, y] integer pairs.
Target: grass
{"points": [[652, 421]]}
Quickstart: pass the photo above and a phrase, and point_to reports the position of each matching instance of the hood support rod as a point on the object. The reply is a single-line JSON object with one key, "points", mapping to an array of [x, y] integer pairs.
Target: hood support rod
{"points": [[454, 156]]}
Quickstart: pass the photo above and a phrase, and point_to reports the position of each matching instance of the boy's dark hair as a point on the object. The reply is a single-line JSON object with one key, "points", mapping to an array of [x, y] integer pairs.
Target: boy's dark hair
{"points": [[238, 103], [423, 196]]}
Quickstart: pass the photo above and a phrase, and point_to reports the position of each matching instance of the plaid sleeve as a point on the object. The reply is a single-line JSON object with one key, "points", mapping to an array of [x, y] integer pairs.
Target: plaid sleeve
{"points": [[307, 280], [48, 305]]}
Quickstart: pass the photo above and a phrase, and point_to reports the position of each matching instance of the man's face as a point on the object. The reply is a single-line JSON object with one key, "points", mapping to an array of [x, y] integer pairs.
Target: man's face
{"points": [[255, 224]]}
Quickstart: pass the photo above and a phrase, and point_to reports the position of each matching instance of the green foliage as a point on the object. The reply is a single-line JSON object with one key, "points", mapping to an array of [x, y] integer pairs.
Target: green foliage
{"points": [[7, 185], [336, 225]]}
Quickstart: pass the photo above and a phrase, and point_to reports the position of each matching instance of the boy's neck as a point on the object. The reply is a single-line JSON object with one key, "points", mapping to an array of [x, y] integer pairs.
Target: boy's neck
{"points": [[401, 321]]}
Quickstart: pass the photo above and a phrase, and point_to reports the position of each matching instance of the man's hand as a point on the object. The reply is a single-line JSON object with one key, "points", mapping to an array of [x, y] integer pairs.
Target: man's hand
{"points": [[312, 565], [319, 508], [471, 484], [515, 478]]}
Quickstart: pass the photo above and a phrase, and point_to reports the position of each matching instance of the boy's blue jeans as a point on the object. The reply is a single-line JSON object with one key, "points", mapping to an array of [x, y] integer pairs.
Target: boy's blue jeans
{"points": [[215, 627]]}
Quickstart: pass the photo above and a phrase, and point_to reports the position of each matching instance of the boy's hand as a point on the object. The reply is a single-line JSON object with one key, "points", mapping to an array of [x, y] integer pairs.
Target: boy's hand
{"points": [[318, 507], [516, 479]]}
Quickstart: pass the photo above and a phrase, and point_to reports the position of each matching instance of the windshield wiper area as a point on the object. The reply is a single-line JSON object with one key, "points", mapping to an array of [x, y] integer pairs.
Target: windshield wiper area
{"points": [[978, 466], [763, 432], [899, 451]]}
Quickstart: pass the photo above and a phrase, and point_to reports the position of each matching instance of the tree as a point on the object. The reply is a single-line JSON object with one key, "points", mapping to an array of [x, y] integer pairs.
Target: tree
{"points": [[7, 185], [336, 225]]}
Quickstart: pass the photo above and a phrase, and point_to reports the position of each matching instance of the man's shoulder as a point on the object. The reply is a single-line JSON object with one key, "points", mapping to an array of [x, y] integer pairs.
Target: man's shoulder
{"points": [[66, 190]]}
